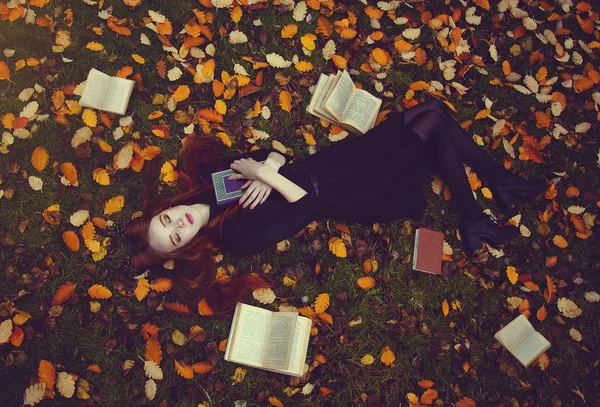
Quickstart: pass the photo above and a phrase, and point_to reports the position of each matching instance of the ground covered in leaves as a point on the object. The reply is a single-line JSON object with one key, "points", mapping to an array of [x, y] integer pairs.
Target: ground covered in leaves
{"points": [[521, 76]]}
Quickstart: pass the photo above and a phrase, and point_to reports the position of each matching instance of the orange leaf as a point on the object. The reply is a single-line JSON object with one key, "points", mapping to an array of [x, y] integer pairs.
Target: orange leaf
{"points": [[149, 330], [482, 114], [285, 100], [381, 56], [466, 402], [550, 288], [39, 158], [544, 361], [387, 356], [321, 303], [17, 336], [161, 285], [325, 391], [542, 313], [425, 384], [211, 115], [366, 282], [275, 402], [324, 26], [560, 242], [88, 231], [94, 368], [506, 69], [204, 309], [125, 71], [429, 396], [104, 146], [184, 371], [47, 374], [99, 292], [484, 4], [63, 293], [177, 307], [181, 93], [71, 240], [4, 71], [202, 367], [542, 120], [326, 318], [289, 30], [69, 171], [551, 262], [119, 29], [153, 350], [114, 204]]}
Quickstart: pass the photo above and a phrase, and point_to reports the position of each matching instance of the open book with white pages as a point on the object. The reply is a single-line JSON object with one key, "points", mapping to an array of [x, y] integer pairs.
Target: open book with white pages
{"points": [[105, 92]]}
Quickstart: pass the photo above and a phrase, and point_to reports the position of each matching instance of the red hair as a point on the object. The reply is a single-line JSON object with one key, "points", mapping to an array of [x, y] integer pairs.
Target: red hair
{"points": [[195, 272]]}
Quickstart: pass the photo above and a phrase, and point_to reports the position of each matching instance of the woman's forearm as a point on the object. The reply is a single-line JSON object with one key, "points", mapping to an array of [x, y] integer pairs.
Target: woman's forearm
{"points": [[275, 161], [290, 191]]}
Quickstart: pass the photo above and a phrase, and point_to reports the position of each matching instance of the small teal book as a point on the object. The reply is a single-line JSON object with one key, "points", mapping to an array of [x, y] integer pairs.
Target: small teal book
{"points": [[226, 191]]}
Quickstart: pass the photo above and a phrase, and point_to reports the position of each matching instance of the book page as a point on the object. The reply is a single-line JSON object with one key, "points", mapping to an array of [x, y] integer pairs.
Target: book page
{"points": [[95, 89], [340, 96], [299, 347], [117, 95], [324, 114], [317, 93], [515, 332], [249, 336], [283, 326], [530, 348], [362, 111]]}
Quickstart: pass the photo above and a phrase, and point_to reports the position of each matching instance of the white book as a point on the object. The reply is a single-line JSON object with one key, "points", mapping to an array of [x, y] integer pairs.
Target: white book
{"points": [[338, 101], [273, 341], [522, 340], [105, 92]]}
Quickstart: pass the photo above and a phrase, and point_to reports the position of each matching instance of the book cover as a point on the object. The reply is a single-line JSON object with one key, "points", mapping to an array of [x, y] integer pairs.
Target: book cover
{"points": [[428, 248], [227, 191]]}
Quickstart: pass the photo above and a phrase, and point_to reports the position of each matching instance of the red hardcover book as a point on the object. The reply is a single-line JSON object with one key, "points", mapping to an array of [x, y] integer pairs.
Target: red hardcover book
{"points": [[427, 256]]}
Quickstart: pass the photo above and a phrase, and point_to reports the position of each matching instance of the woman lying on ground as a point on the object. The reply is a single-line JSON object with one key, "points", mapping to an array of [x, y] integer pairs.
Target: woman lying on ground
{"points": [[376, 177]]}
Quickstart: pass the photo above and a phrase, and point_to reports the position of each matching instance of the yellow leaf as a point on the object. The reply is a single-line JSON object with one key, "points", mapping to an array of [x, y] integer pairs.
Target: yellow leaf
{"points": [[337, 247], [21, 317], [412, 398], [321, 303], [445, 308], [39, 158], [114, 204], [94, 46], [482, 114], [304, 66], [285, 100], [161, 285], [512, 274], [289, 30], [220, 106], [309, 139], [486, 192], [89, 118], [142, 289], [224, 138], [236, 14], [366, 282], [308, 41], [387, 356], [560, 242], [99, 292], [138, 58], [181, 93], [367, 359], [101, 176], [71, 240], [184, 371]]}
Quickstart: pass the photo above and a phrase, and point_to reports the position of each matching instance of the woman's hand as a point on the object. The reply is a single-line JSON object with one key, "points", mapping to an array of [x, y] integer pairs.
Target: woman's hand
{"points": [[256, 194], [247, 168]]}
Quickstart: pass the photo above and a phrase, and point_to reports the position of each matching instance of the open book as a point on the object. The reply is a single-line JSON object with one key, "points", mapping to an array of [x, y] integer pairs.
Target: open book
{"points": [[105, 92], [522, 340], [274, 341], [338, 101]]}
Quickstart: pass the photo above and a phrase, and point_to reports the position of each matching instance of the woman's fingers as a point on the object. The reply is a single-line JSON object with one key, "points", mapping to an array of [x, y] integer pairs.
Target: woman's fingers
{"points": [[247, 184], [267, 193], [252, 196], [236, 176], [257, 199]]}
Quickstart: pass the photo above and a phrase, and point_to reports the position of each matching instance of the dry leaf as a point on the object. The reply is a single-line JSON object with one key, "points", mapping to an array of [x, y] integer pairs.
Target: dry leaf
{"points": [[99, 292], [387, 356], [321, 303], [366, 282]]}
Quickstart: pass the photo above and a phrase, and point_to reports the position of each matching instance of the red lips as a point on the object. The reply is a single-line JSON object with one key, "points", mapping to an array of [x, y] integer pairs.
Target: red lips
{"points": [[189, 218]]}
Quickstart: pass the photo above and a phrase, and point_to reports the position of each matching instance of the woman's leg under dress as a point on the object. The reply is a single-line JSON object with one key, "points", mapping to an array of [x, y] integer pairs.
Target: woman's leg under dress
{"points": [[470, 153], [429, 126]]}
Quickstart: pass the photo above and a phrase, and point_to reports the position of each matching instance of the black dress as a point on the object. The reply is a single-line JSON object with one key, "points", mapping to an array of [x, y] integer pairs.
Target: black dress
{"points": [[376, 177]]}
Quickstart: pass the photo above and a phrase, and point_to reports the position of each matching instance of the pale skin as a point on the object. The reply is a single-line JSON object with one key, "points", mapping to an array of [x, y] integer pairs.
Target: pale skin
{"points": [[175, 227]]}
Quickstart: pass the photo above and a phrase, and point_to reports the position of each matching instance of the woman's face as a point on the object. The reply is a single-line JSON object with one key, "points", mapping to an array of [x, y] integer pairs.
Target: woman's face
{"points": [[174, 227]]}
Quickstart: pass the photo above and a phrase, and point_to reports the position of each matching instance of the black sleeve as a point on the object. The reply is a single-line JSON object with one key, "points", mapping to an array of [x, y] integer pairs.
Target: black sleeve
{"points": [[263, 227], [256, 155]]}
